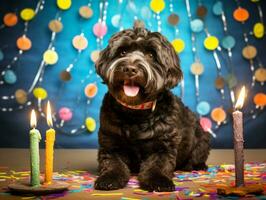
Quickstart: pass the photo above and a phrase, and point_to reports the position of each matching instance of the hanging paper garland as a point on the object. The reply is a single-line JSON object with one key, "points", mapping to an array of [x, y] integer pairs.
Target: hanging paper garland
{"points": [[116, 20], [178, 45], [100, 29], [65, 76], [21, 96], [65, 114], [196, 25], [241, 14], [91, 90], [203, 108], [95, 55], [85, 12], [260, 75], [211, 43], [55, 26], [80, 42], [260, 100], [206, 125], [40, 93], [217, 8], [64, 4], [10, 19], [228, 42], [24, 43], [90, 124], [157, 5], [258, 30], [249, 52], [50, 57], [10, 77], [218, 115], [27, 14]]}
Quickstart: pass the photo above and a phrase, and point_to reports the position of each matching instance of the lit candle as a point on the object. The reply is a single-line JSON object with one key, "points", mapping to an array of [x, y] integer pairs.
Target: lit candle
{"points": [[238, 139], [49, 147], [35, 138]]}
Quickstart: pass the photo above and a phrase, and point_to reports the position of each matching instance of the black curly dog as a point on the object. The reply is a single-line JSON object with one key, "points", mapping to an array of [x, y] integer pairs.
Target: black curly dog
{"points": [[144, 128]]}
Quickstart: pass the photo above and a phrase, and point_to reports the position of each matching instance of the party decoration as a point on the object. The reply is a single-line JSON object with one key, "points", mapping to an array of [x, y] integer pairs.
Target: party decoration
{"points": [[65, 76], [260, 75], [40, 93], [100, 29], [219, 82], [231, 80], [65, 114], [157, 5], [50, 57], [10, 77], [211, 43], [258, 30], [260, 100], [1, 55], [24, 43], [21, 96], [27, 14], [55, 26], [206, 124], [217, 8], [10, 19], [178, 45], [116, 20], [218, 115], [241, 14], [202, 11], [228, 42], [197, 68], [80, 42], [203, 108], [64, 4], [145, 13], [249, 52], [173, 19], [90, 124], [95, 55], [85, 12], [91, 90], [196, 25]]}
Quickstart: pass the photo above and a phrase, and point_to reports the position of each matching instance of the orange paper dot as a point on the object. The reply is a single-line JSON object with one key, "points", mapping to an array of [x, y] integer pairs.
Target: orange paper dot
{"points": [[91, 90], [260, 99], [218, 115], [241, 14], [10, 19], [24, 43]]}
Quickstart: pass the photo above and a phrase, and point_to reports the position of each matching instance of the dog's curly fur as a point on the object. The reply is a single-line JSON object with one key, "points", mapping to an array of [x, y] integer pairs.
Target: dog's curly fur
{"points": [[151, 143]]}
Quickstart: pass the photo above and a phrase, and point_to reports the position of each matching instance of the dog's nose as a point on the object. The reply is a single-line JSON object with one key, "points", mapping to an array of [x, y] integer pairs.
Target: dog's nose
{"points": [[130, 70]]}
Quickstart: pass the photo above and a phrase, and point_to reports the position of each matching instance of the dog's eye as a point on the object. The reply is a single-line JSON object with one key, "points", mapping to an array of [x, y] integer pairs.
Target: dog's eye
{"points": [[123, 53], [150, 55]]}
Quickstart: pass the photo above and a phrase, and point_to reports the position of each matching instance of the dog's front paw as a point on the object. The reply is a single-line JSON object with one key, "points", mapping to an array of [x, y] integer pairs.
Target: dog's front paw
{"points": [[109, 181], [158, 183]]}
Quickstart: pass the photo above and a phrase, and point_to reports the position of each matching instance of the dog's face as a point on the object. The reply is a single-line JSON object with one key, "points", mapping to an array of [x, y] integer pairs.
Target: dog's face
{"points": [[137, 65]]}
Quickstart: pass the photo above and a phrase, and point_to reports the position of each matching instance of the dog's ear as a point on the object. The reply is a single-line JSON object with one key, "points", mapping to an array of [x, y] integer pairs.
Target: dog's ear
{"points": [[101, 64]]}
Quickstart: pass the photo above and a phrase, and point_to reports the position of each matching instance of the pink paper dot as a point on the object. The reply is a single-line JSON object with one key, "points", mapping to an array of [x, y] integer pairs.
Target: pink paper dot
{"points": [[100, 29], [205, 123], [65, 114]]}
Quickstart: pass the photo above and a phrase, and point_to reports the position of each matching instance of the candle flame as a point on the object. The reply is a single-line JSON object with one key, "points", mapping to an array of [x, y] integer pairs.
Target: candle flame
{"points": [[33, 120], [240, 101], [49, 115]]}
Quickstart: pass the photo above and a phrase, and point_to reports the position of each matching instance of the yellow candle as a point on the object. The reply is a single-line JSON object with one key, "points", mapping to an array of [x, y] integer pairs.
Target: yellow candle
{"points": [[49, 147]]}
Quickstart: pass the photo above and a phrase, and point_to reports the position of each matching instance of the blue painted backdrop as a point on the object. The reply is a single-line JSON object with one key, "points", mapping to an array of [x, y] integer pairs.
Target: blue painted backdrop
{"points": [[15, 125]]}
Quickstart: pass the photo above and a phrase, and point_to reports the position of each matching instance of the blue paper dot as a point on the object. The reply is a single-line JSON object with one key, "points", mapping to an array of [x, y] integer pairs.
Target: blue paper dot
{"points": [[203, 108], [196, 25], [217, 8], [1, 55], [228, 42], [10, 77], [116, 20], [145, 12]]}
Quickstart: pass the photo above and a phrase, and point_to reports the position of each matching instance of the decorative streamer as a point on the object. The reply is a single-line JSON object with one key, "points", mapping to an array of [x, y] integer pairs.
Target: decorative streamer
{"points": [[157, 6], [258, 28]]}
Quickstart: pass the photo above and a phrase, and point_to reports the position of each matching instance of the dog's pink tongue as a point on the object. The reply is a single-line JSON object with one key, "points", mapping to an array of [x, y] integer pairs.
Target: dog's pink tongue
{"points": [[131, 91]]}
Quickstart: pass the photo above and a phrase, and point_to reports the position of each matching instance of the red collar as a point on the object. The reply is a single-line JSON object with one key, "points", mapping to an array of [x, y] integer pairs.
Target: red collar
{"points": [[144, 106]]}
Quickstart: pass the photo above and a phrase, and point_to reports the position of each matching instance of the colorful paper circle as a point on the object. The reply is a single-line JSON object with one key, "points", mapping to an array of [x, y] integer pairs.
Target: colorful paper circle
{"points": [[64, 4], [157, 5], [80, 42], [211, 43], [217, 8], [50, 57], [40, 93], [241, 14], [249, 52], [10, 77], [258, 30], [206, 124], [219, 82], [55, 26], [218, 115], [197, 68], [27, 14], [91, 90], [100, 29], [260, 99], [228, 42], [173, 19], [24, 43], [203, 108], [196, 25], [260, 74], [65, 76], [21, 96], [231, 80], [95, 55], [178, 45], [145, 12], [65, 114], [90, 124], [116, 20], [85, 12], [10, 19], [1, 55], [202, 11]]}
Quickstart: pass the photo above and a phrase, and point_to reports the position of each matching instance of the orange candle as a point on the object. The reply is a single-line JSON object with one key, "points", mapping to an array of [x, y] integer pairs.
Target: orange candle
{"points": [[49, 147]]}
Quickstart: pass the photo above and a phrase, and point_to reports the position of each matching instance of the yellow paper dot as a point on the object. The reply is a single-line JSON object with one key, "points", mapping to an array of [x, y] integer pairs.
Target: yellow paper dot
{"points": [[258, 30], [27, 14], [90, 124], [40, 93], [178, 45], [211, 43], [50, 57], [64, 4], [157, 5]]}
